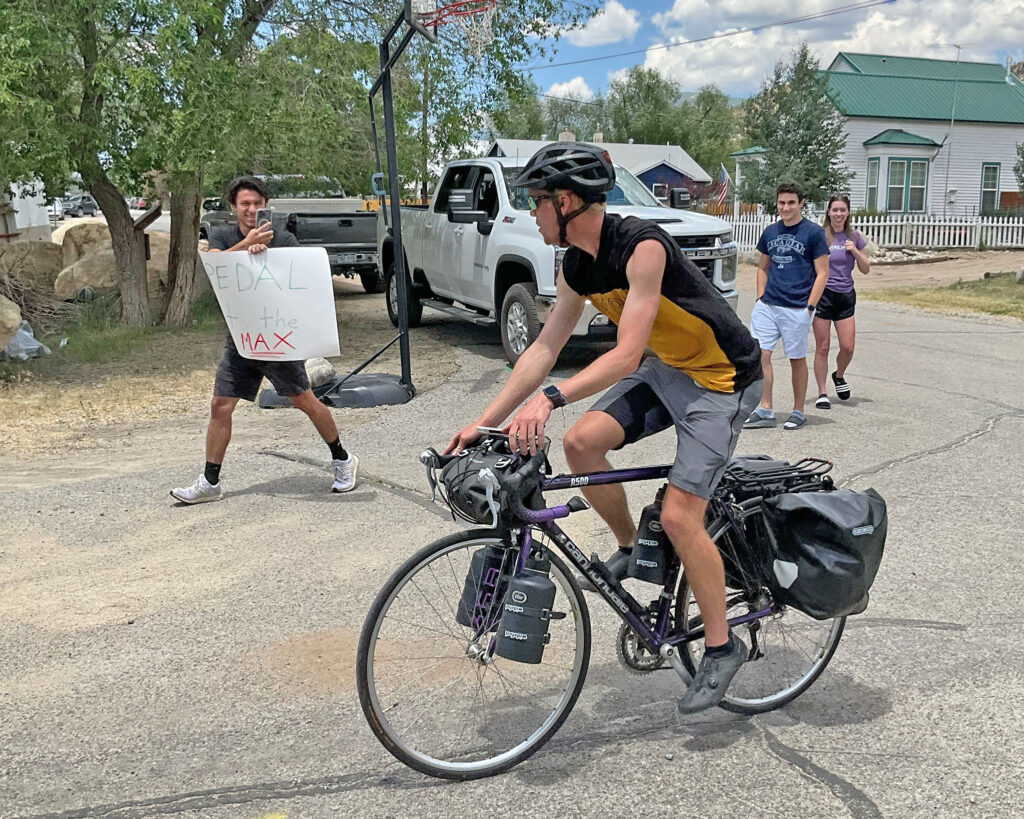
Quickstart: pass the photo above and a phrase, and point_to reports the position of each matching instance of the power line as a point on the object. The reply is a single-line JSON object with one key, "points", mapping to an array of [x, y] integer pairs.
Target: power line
{"points": [[789, 22]]}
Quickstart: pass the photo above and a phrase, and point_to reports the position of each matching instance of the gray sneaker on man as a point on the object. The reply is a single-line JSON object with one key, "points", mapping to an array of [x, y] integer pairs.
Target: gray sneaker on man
{"points": [[712, 678], [201, 491], [345, 474], [617, 565]]}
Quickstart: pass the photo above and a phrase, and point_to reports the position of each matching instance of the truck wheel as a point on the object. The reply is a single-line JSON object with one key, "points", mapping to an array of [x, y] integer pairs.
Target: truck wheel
{"points": [[372, 281], [519, 323], [391, 288]]}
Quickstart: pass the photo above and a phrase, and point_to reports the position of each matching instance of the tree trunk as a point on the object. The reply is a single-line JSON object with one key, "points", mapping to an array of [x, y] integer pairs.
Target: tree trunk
{"points": [[183, 266], [129, 252]]}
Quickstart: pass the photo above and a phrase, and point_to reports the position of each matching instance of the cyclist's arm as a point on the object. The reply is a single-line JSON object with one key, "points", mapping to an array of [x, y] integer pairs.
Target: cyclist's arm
{"points": [[644, 271], [533, 365]]}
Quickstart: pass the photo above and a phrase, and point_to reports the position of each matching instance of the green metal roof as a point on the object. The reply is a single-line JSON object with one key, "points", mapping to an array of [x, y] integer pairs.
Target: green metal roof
{"points": [[885, 65], [889, 97], [897, 136], [752, 151]]}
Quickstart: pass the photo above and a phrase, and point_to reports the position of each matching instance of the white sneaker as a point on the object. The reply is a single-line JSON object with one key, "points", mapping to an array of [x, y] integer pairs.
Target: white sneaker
{"points": [[345, 474], [199, 492]]}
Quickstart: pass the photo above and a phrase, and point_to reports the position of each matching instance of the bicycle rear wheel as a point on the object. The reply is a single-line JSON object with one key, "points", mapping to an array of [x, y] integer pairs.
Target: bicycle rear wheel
{"points": [[789, 650], [436, 695]]}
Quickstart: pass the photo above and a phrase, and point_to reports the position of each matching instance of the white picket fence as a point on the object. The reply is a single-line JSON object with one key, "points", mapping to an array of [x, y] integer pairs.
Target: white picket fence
{"points": [[918, 231]]}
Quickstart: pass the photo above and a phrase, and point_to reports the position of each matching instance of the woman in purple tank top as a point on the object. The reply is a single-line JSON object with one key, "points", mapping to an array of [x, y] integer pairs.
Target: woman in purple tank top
{"points": [[837, 303]]}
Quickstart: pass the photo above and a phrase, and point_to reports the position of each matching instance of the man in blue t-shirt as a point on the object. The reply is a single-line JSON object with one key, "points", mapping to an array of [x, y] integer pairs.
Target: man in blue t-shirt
{"points": [[791, 276]]}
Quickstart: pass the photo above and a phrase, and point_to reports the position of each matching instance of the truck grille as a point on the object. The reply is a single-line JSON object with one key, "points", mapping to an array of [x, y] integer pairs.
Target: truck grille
{"points": [[694, 241], [705, 266]]}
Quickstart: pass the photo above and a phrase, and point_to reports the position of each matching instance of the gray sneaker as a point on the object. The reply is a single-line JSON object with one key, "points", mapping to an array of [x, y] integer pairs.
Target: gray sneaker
{"points": [[617, 565], [712, 679], [758, 421], [199, 492], [345, 474]]}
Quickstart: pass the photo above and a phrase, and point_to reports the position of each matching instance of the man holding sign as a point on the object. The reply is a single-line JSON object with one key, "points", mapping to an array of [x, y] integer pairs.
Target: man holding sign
{"points": [[239, 377]]}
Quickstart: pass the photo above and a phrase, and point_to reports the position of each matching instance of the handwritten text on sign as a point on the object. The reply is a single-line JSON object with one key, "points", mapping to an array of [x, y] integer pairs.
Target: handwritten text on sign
{"points": [[279, 304]]}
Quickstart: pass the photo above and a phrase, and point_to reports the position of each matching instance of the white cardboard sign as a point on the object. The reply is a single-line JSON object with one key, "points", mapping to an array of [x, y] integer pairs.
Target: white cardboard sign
{"points": [[279, 304]]}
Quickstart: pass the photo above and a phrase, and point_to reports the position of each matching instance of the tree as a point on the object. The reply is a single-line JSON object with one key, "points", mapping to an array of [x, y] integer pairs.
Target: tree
{"points": [[643, 106], [1018, 168], [801, 131], [708, 127]]}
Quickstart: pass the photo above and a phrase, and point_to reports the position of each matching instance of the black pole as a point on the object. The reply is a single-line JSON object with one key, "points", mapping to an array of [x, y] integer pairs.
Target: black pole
{"points": [[396, 207]]}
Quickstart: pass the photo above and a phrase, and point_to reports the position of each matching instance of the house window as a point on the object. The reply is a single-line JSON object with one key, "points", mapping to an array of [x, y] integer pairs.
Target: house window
{"points": [[897, 184], [989, 186], [908, 185], [872, 197]]}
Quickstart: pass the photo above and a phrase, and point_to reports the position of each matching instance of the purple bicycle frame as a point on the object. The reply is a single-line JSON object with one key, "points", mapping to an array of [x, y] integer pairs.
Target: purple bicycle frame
{"points": [[624, 604]]}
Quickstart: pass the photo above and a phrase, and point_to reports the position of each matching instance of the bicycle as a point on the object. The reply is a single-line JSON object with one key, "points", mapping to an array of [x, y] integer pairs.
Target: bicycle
{"points": [[441, 699]]}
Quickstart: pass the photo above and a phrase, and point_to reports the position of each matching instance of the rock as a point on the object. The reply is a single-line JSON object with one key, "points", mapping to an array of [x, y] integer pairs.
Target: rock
{"points": [[871, 248], [1019, 278], [320, 371], [84, 239], [10, 320], [750, 257], [97, 270], [34, 263]]}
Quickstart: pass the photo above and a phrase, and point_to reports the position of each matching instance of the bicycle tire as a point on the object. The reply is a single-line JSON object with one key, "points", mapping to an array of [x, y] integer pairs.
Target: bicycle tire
{"points": [[403, 747], [734, 700]]}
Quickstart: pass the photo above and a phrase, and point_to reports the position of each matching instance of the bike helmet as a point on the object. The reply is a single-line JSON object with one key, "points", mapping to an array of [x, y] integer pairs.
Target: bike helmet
{"points": [[584, 169]]}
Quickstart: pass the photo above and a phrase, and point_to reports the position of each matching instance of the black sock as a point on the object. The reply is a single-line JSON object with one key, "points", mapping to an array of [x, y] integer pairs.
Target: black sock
{"points": [[719, 651], [212, 473], [337, 450]]}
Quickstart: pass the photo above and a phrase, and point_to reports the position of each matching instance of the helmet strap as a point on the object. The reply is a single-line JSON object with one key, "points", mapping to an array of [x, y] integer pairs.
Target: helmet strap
{"points": [[563, 222]]}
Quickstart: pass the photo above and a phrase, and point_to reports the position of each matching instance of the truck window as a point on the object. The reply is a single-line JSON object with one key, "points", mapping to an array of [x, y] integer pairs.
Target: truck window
{"points": [[487, 194], [628, 191], [457, 177]]}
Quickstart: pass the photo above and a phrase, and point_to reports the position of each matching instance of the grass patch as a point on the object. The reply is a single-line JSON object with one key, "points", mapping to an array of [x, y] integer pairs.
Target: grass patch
{"points": [[96, 337], [998, 295]]}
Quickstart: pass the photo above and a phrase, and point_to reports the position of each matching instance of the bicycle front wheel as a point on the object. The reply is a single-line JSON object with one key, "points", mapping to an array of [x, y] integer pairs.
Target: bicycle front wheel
{"points": [[789, 650], [436, 694]]}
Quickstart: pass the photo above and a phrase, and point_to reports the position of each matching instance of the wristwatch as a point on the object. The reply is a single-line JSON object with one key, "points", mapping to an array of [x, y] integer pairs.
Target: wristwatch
{"points": [[555, 396], [811, 308]]}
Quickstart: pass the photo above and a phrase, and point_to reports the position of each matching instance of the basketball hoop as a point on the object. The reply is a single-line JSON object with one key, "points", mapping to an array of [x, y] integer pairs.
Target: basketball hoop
{"points": [[474, 17]]}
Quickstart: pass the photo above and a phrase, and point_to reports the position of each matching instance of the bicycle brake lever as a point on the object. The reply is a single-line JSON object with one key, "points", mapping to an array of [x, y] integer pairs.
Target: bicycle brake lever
{"points": [[491, 480], [429, 458]]}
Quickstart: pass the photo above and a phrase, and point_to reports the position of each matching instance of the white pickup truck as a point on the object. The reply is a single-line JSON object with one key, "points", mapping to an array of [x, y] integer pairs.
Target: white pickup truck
{"points": [[475, 253]]}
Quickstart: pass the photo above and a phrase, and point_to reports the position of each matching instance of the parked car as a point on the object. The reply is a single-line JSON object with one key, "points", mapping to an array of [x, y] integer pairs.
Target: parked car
{"points": [[81, 205], [475, 253], [56, 208], [140, 203]]}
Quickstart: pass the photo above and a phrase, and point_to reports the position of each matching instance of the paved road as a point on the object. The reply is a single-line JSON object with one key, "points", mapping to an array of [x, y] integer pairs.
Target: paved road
{"points": [[199, 661]]}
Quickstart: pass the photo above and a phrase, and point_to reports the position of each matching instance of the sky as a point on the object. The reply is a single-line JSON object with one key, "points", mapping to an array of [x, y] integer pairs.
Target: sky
{"points": [[986, 30]]}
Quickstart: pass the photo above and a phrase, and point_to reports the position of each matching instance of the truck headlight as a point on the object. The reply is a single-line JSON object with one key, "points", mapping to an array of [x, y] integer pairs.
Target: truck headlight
{"points": [[725, 238]]}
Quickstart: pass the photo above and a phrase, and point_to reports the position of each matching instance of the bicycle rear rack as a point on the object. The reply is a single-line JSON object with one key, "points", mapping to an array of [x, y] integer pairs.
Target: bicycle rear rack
{"points": [[765, 471]]}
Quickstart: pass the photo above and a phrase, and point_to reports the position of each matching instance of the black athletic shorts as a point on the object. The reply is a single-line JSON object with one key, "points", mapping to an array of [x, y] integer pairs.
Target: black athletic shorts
{"points": [[836, 306], [239, 377]]}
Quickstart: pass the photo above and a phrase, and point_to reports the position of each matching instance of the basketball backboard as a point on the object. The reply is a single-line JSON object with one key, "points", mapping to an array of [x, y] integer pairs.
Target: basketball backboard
{"points": [[418, 13]]}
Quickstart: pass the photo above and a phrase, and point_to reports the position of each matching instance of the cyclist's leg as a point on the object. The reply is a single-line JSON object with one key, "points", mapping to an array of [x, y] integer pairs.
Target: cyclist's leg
{"points": [[586, 447]]}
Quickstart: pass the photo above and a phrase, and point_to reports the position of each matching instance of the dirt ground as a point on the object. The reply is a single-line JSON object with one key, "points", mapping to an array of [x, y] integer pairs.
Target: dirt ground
{"points": [[167, 385]]}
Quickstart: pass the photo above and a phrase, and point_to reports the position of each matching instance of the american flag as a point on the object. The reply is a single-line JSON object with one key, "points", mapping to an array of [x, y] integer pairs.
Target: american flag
{"points": [[723, 183]]}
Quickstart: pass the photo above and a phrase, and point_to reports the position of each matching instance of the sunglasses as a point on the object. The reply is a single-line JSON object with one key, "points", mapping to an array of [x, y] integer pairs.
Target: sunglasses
{"points": [[534, 201]]}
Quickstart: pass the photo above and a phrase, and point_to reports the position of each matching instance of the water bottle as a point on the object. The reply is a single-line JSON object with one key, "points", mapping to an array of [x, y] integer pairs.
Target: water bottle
{"points": [[483, 589], [652, 552], [523, 630]]}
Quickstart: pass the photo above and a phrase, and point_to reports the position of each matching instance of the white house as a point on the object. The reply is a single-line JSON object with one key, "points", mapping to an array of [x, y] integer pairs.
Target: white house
{"points": [[928, 136], [23, 216]]}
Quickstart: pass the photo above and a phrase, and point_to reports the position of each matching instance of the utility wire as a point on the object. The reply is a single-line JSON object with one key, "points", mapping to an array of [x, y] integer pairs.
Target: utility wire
{"points": [[789, 22]]}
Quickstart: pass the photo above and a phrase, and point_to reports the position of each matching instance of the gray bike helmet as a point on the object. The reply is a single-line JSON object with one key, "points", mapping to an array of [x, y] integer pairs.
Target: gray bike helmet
{"points": [[584, 169]]}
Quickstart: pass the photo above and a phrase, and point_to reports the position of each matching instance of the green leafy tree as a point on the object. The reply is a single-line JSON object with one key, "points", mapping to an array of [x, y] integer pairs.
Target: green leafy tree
{"points": [[708, 128], [801, 131], [645, 107], [1018, 168]]}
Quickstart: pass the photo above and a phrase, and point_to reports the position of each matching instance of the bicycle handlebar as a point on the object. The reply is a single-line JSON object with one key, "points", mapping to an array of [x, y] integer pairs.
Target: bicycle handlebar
{"points": [[512, 485]]}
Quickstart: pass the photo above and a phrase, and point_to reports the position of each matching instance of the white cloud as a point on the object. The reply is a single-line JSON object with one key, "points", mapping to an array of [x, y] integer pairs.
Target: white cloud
{"points": [[576, 89], [988, 30], [613, 24]]}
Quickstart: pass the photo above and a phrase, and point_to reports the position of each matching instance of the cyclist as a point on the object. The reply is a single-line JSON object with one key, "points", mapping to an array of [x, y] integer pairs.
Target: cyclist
{"points": [[705, 377]]}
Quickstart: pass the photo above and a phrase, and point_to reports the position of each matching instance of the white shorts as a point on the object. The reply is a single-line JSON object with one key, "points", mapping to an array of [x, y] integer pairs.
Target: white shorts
{"points": [[770, 322]]}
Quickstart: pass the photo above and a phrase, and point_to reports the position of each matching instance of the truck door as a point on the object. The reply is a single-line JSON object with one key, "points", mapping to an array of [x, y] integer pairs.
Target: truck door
{"points": [[442, 240], [477, 279]]}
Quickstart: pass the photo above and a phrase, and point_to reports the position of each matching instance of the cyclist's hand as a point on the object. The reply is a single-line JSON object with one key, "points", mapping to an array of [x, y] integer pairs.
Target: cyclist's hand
{"points": [[462, 439], [526, 432]]}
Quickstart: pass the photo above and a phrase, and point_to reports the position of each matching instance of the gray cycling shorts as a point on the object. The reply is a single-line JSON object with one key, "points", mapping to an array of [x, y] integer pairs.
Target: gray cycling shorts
{"points": [[240, 377], [707, 423]]}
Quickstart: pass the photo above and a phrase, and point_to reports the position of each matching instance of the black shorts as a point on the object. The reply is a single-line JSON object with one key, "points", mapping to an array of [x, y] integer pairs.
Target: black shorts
{"points": [[836, 306], [239, 377]]}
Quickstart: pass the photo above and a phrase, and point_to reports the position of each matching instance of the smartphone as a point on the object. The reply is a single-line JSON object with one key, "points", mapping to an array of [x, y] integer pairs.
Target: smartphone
{"points": [[264, 216]]}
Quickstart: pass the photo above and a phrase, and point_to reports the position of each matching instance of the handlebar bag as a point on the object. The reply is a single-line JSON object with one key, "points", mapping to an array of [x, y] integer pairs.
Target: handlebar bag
{"points": [[826, 549]]}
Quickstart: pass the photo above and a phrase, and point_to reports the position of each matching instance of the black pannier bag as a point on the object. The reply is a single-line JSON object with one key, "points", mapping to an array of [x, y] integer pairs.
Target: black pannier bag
{"points": [[826, 549]]}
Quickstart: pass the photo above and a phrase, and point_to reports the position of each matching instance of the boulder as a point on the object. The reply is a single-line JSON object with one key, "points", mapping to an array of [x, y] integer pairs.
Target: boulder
{"points": [[319, 371], [1019, 276], [10, 320], [97, 270], [871, 248], [34, 263], [84, 239]]}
